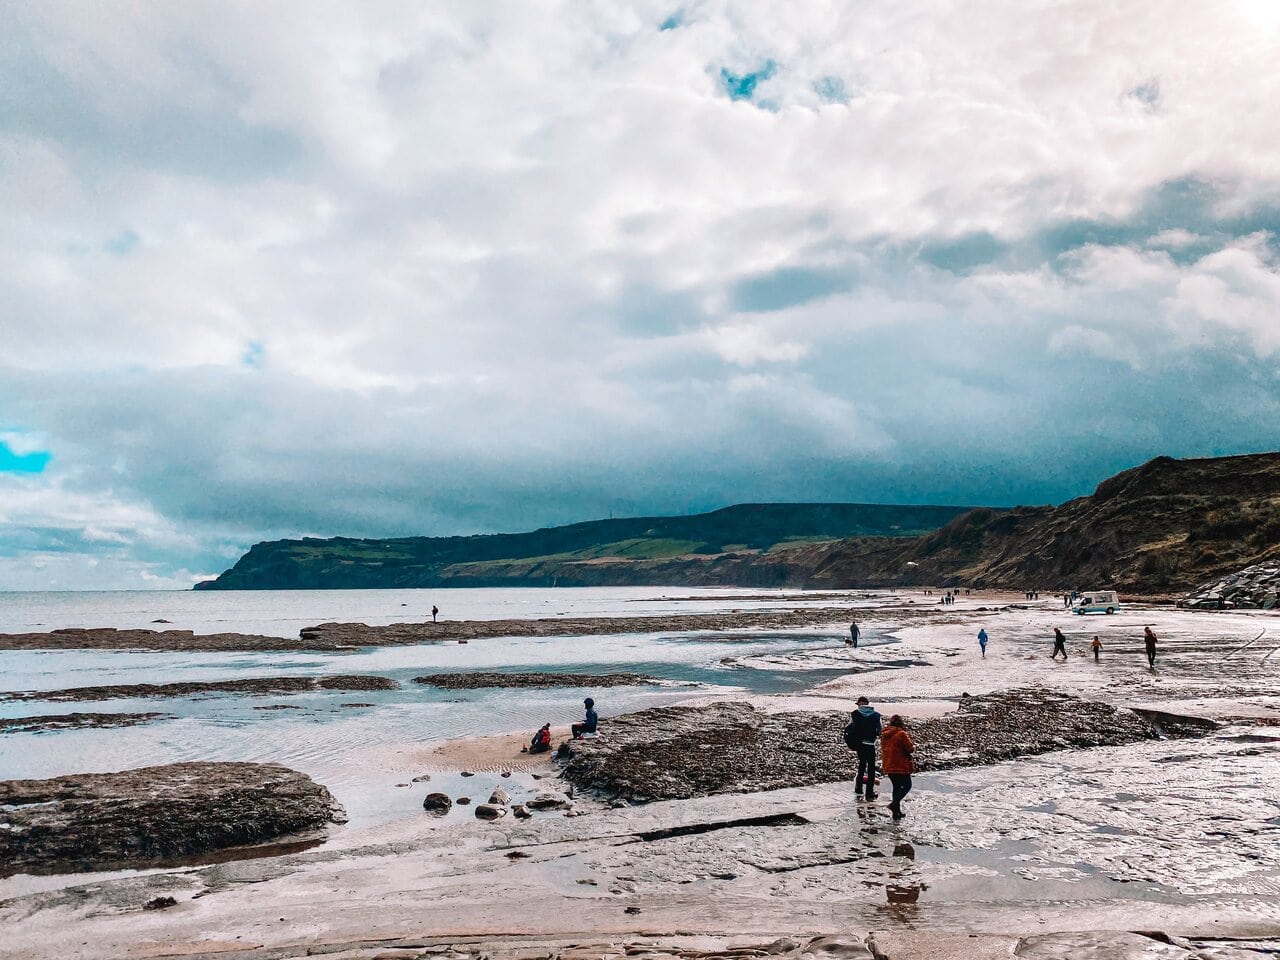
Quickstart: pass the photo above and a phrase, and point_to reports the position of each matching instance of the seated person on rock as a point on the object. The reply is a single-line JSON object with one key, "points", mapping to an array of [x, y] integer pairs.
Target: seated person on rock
{"points": [[541, 741], [589, 724]]}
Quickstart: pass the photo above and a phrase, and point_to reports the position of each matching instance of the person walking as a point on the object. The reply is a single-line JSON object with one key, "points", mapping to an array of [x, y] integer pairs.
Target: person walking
{"points": [[854, 633], [982, 642], [1096, 646], [1149, 640], [860, 736], [1059, 645], [896, 748]]}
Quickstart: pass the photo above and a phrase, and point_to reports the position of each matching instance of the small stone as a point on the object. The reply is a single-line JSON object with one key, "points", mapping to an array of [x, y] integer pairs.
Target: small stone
{"points": [[422, 778], [521, 812], [467, 773], [632, 910], [500, 797], [490, 811], [463, 801], [160, 903]]}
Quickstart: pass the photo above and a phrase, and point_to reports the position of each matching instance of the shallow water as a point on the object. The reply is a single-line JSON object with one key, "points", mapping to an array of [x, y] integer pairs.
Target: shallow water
{"points": [[282, 613], [324, 733]]}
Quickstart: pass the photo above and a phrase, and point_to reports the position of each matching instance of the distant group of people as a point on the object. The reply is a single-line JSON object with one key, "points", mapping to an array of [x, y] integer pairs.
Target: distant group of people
{"points": [[1033, 594], [896, 749], [541, 742], [1149, 641]]}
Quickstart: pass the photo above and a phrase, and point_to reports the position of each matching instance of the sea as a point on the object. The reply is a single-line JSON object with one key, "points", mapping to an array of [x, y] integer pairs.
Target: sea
{"points": [[325, 734]]}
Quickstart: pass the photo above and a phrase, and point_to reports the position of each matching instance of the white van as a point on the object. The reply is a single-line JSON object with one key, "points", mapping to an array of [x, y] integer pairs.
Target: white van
{"points": [[1097, 601]]}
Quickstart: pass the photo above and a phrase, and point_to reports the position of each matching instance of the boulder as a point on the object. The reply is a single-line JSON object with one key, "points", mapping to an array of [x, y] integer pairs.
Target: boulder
{"points": [[521, 812], [437, 803], [490, 811], [500, 797]]}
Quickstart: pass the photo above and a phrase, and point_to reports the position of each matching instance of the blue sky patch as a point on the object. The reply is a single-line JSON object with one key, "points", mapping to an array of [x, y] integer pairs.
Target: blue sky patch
{"points": [[253, 355], [831, 89], [122, 243], [673, 21], [33, 462], [743, 86]]}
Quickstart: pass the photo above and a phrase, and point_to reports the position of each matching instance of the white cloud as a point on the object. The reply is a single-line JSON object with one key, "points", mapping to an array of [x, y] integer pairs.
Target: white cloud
{"points": [[344, 267]]}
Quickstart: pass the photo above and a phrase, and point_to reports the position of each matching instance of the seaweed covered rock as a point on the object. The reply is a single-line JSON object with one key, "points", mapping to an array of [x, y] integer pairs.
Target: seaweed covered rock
{"points": [[680, 752], [97, 821]]}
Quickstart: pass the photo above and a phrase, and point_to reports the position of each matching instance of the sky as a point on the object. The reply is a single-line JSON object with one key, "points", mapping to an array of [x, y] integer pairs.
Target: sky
{"points": [[384, 269]]}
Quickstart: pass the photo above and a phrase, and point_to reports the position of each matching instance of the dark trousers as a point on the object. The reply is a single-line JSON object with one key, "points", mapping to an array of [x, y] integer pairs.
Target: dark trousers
{"points": [[867, 768], [1096, 657], [901, 787], [1058, 648], [1151, 657], [578, 729]]}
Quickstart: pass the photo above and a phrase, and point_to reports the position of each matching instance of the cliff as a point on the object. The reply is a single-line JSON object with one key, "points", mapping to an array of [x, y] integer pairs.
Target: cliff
{"points": [[769, 544], [1160, 528]]}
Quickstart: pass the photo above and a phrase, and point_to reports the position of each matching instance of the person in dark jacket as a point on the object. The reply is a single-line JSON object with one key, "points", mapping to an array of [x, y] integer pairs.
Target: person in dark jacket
{"points": [[1149, 639], [1059, 645], [589, 722], [854, 632], [861, 734], [897, 748]]}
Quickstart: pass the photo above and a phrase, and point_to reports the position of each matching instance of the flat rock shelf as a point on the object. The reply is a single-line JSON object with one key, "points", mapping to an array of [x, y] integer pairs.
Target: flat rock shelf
{"points": [[479, 681], [679, 752], [153, 815]]}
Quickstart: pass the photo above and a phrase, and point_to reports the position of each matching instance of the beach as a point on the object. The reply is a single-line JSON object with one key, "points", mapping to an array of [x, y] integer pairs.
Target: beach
{"points": [[1161, 842]]}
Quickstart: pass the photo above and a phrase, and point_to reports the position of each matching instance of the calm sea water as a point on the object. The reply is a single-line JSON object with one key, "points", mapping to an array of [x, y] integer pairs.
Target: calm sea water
{"points": [[331, 741]]}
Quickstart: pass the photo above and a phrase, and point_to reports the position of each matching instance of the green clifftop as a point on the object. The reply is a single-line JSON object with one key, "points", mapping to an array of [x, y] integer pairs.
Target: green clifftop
{"points": [[759, 544]]}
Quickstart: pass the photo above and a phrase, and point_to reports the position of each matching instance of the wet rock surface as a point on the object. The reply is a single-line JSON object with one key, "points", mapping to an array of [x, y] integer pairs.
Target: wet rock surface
{"points": [[346, 636], [247, 686], [76, 721], [480, 681], [153, 814], [681, 752]]}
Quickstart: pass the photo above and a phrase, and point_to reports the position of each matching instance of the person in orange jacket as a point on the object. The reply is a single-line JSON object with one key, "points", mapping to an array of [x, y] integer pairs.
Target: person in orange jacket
{"points": [[896, 748]]}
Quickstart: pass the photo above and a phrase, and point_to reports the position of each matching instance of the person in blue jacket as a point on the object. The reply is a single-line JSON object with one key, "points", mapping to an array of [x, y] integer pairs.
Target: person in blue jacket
{"points": [[860, 735], [982, 641], [589, 722]]}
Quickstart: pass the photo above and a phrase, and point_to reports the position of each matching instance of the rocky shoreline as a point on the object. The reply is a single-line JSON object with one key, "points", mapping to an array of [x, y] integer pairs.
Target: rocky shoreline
{"points": [[347, 636], [152, 815], [250, 686], [675, 753], [76, 721], [486, 680]]}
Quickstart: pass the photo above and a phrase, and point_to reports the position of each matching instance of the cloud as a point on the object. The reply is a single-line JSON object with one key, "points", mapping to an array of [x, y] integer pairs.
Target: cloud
{"points": [[342, 269]]}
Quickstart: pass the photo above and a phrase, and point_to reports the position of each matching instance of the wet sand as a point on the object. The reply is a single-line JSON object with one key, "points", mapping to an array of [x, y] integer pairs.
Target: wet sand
{"points": [[1071, 853]]}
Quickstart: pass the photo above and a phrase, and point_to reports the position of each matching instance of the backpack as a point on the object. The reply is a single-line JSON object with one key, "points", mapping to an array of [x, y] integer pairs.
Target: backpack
{"points": [[851, 737]]}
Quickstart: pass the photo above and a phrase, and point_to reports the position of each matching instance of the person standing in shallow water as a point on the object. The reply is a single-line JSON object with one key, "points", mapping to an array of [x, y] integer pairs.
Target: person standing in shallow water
{"points": [[896, 748], [1096, 646], [982, 642], [1059, 645], [854, 633], [1149, 640], [860, 735]]}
